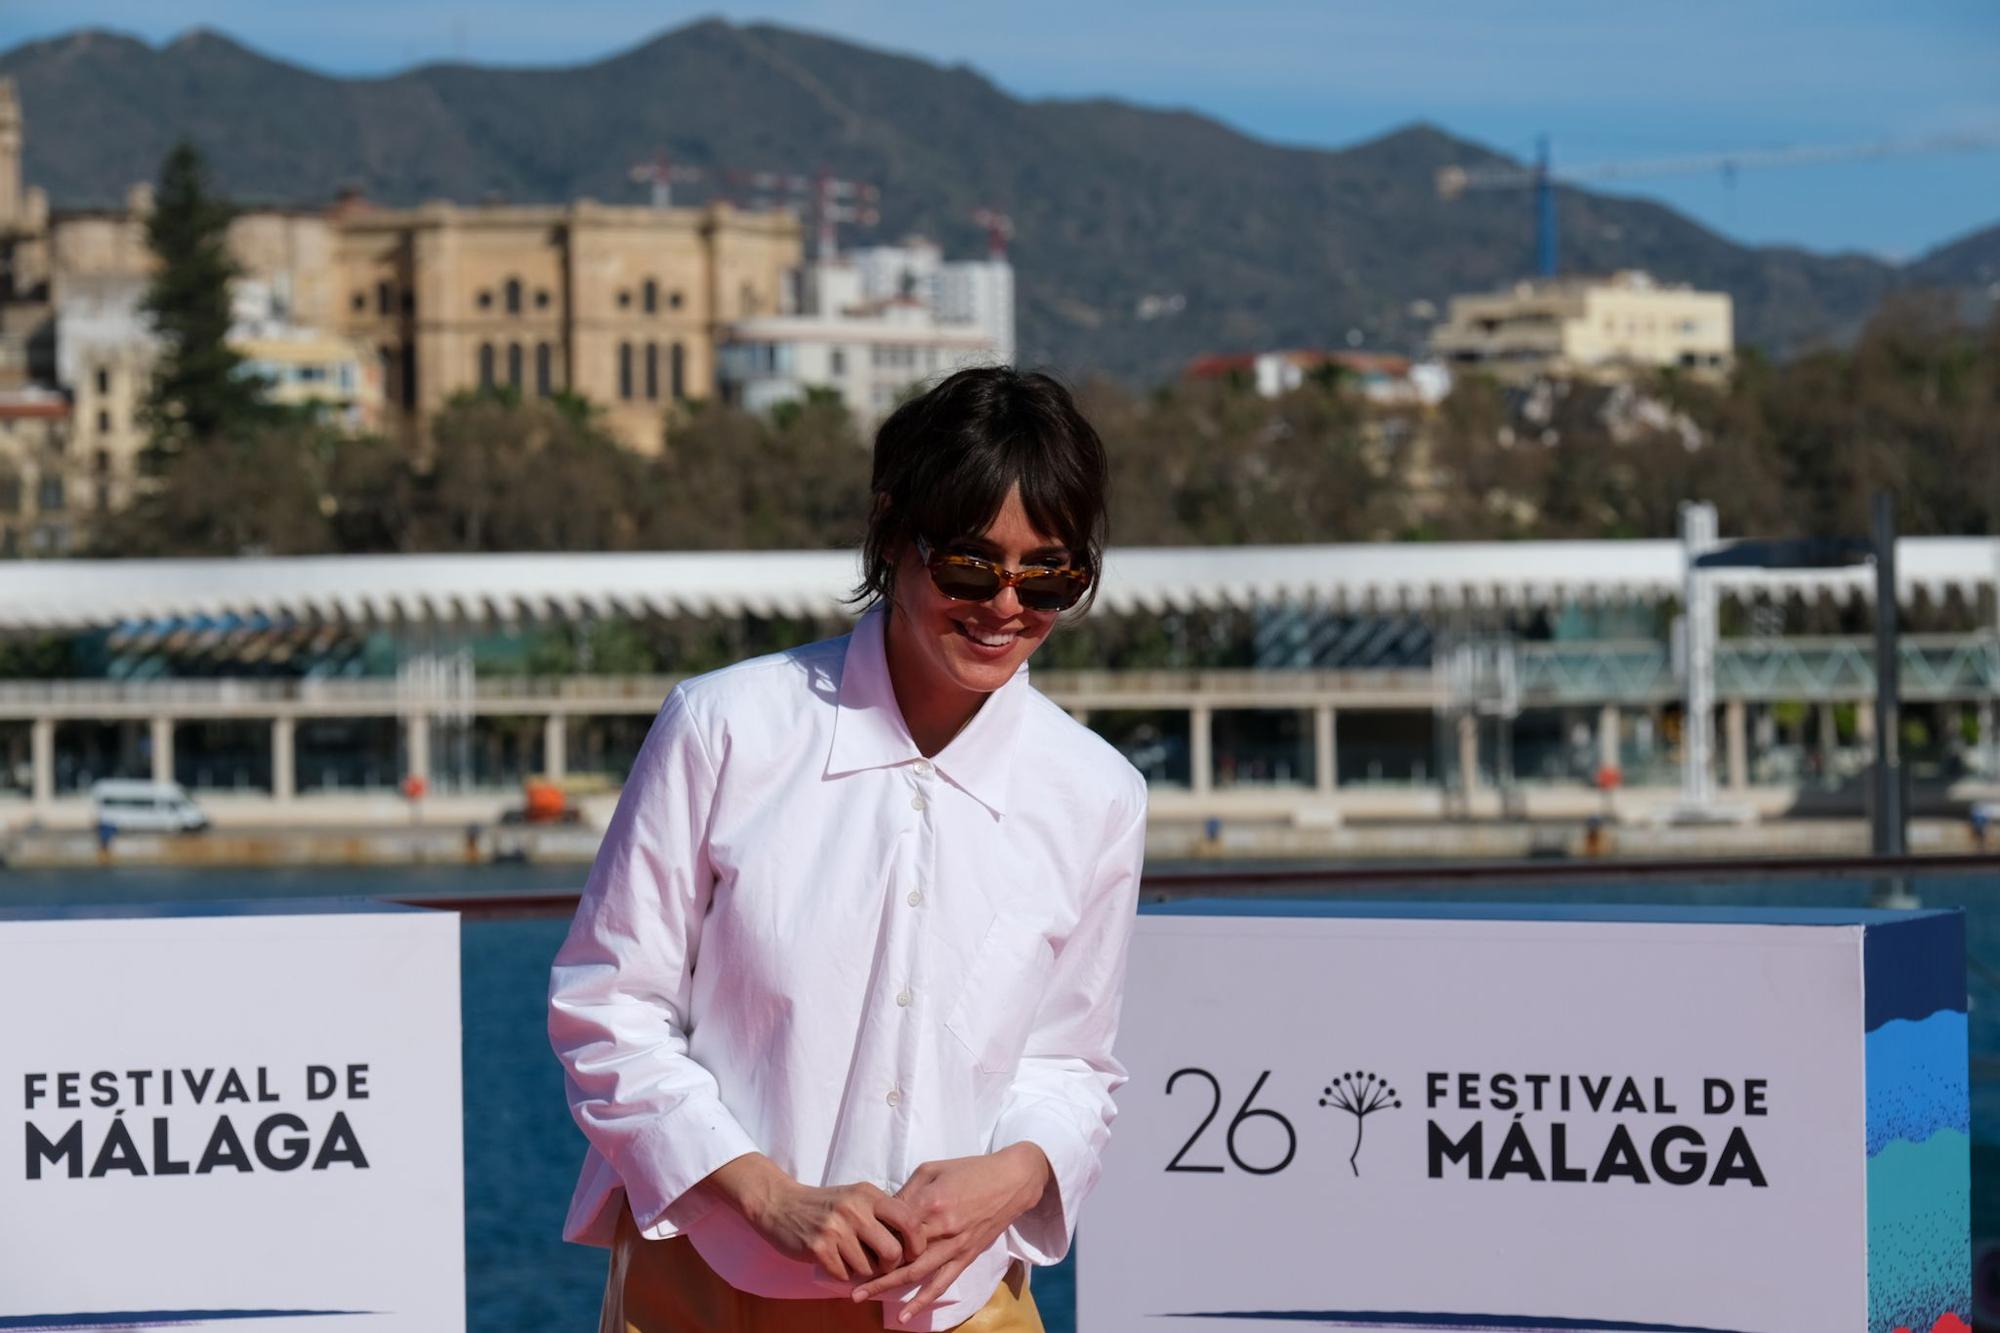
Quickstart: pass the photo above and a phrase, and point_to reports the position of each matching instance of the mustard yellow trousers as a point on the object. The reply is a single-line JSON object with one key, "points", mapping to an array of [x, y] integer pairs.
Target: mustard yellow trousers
{"points": [[664, 1286]]}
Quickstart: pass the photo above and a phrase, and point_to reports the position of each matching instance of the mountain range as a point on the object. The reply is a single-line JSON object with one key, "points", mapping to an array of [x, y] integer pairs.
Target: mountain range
{"points": [[1142, 236]]}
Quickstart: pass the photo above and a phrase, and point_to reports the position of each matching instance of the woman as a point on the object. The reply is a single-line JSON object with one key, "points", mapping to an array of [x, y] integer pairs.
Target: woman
{"points": [[837, 1007]]}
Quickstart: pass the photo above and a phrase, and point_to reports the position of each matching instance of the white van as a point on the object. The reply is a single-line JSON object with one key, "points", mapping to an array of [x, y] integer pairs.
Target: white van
{"points": [[132, 806]]}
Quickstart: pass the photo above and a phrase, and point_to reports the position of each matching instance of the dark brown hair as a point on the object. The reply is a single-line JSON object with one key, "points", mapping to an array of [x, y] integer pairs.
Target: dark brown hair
{"points": [[945, 460]]}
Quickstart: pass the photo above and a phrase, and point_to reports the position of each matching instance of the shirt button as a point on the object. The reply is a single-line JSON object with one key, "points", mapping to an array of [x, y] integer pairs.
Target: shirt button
{"points": [[903, 1000], [916, 803], [895, 1097], [923, 767], [916, 897]]}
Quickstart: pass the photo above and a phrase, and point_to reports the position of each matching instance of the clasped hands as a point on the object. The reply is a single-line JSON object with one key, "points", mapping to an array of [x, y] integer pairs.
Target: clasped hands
{"points": [[944, 1217]]}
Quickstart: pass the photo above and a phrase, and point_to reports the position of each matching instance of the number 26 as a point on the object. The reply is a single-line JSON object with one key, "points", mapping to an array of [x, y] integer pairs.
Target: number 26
{"points": [[1243, 1113]]}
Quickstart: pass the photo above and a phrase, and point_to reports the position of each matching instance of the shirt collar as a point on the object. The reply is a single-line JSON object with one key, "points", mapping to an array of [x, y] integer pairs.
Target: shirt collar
{"points": [[869, 731]]}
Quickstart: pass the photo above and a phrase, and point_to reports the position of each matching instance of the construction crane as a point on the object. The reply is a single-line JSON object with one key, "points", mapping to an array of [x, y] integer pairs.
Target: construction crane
{"points": [[663, 175], [1454, 181], [999, 231], [827, 199]]}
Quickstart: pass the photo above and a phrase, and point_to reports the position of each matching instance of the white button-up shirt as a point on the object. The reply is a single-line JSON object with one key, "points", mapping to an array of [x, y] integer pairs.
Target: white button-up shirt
{"points": [[803, 938]]}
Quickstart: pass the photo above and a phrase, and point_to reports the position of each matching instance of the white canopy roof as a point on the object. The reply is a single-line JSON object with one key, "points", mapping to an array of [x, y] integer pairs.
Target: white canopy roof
{"points": [[1417, 577]]}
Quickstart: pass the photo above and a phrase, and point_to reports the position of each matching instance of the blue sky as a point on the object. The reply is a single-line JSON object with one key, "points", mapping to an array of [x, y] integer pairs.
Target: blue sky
{"points": [[1608, 81]]}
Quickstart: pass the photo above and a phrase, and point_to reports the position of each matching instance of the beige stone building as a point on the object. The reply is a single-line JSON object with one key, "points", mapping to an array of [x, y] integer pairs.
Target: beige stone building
{"points": [[45, 480], [1600, 328], [24, 253], [43, 492], [620, 304], [623, 305]]}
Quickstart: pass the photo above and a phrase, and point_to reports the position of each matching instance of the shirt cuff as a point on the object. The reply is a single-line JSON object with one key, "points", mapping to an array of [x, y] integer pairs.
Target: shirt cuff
{"points": [[1042, 1234], [674, 1154]]}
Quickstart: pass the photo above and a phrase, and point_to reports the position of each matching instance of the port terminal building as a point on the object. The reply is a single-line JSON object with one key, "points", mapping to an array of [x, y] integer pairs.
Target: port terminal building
{"points": [[1313, 684]]}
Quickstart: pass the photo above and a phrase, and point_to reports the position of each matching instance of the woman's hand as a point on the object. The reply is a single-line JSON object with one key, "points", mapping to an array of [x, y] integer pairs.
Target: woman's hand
{"points": [[962, 1205], [851, 1231]]}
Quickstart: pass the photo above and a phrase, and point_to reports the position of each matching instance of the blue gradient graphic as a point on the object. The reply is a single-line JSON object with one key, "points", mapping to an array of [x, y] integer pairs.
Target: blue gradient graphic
{"points": [[1919, 1123], [1918, 1081], [1919, 1235]]}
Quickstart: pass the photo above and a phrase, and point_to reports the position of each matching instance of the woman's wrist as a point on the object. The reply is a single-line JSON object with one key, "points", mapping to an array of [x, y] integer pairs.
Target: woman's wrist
{"points": [[1037, 1174], [748, 1185]]}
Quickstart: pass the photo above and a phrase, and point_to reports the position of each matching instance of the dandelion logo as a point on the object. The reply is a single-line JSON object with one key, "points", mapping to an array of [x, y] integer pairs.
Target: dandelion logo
{"points": [[1360, 1095]]}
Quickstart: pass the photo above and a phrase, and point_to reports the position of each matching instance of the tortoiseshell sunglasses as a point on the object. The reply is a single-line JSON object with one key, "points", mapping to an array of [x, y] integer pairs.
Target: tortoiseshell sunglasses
{"points": [[967, 578]]}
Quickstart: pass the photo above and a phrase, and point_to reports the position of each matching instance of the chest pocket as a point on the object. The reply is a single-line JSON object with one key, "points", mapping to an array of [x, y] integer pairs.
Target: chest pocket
{"points": [[1003, 988]]}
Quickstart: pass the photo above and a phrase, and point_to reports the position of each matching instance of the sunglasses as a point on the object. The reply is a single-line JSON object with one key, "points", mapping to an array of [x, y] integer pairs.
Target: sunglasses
{"points": [[967, 578]]}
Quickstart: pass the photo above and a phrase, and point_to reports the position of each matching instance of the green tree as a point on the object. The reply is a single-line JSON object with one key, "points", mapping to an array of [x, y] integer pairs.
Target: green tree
{"points": [[512, 475], [728, 480], [199, 392], [255, 491]]}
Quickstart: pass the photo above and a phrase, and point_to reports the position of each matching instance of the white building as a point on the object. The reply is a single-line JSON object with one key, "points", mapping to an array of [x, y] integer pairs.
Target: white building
{"points": [[104, 348], [972, 292], [872, 326], [1385, 380]]}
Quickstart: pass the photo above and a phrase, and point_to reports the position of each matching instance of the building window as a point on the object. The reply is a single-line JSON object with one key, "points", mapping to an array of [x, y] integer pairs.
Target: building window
{"points": [[651, 300], [673, 300], [409, 377], [486, 365], [360, 302], [652, 372], [625, 371], [677, 372], [10, 495], [49, 495], [385, 365], [624, 300], [544, 369], [748, 295], [103, 380], [384, 298], [102, 463], [513, 296], [103, 496], [409, 302], [103, 422], [836, 361], [542, 298], [485, 300], [513, 365]]}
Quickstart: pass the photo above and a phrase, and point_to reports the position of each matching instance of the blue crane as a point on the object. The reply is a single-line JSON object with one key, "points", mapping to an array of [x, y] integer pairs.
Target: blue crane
{"points": [[1542, 176]]}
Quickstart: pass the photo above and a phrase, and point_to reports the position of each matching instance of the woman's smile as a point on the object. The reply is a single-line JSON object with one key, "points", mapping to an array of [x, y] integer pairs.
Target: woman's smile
{"points": [[998, 641]]}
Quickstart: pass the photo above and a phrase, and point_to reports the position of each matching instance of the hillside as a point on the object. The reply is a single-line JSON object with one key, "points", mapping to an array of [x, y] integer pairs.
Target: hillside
{"points": [[1112, 203], [1969, 265]]}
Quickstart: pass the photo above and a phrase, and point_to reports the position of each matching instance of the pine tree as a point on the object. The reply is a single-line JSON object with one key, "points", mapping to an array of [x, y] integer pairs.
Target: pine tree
{"points": [[199, 394]]}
